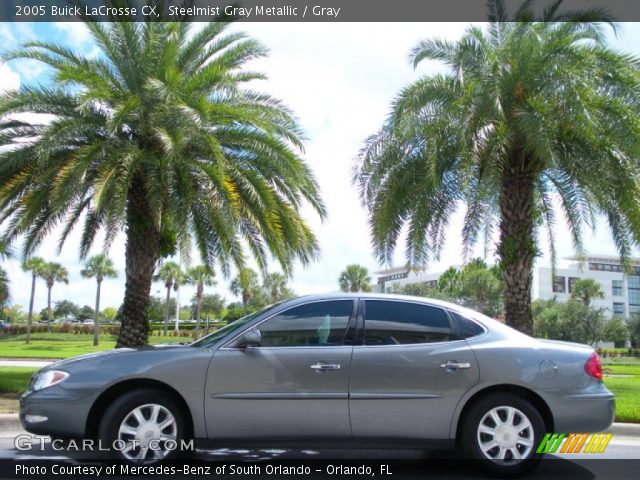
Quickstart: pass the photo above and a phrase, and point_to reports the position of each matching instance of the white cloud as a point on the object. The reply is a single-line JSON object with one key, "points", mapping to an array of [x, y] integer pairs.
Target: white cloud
{"points": [[9, 80], [76, 36], [7, 37]]}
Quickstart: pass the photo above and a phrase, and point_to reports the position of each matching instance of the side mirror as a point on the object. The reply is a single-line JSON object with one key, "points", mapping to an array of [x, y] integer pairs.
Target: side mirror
{"points": [[252, 338]]}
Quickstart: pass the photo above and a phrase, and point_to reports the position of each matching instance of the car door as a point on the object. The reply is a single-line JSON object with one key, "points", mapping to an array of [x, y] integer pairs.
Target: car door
{"points": [[294, 385], [408, 373]]}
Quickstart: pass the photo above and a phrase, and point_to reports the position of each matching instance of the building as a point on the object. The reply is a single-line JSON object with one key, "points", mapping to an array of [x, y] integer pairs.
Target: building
{"points": [[621, 290]]}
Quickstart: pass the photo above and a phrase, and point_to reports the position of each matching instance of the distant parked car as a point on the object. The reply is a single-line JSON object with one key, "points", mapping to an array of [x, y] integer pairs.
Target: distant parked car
{"points": [[2, 324], [88, 321], [344, 369]]}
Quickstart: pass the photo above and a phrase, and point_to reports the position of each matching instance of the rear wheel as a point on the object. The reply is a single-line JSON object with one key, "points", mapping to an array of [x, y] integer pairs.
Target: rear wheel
{"points": [[143, 426], [503, 432]]}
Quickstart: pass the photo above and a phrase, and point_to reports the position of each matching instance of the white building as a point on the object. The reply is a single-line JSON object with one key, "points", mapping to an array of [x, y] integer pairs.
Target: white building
{"points": [[622, 291]]}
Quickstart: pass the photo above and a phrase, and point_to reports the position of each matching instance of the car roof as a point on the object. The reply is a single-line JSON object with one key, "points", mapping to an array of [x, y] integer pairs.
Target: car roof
{"points": [[371, 296]]}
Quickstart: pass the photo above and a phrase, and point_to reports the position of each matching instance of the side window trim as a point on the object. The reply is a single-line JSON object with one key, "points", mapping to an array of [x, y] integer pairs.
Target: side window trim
{"points": [[228, 344], [453, 318], [362, 328]]}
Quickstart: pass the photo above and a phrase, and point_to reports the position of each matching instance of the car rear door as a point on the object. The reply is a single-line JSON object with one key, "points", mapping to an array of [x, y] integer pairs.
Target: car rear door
{"points": [[408, 373], [294, 385]]}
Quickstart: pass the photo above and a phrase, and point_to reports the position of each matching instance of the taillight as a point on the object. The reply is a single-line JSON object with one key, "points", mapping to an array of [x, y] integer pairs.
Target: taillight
{"points": [[593, 367]]}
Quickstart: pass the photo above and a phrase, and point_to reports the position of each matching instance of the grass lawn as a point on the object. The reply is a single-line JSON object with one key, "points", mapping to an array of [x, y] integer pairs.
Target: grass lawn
{"points": [[622, 370], [627, 391], [15, 379], [607, 361], [64, 345]]}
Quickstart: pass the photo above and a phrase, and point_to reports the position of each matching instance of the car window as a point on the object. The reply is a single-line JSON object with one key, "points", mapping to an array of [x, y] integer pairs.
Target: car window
{"points": [[467, 328], [231, 327], [400, 323], [313, 324]]}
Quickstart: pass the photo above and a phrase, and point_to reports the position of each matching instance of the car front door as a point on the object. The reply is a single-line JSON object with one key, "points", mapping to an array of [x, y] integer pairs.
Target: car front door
{"points": [[293, 385], [409, 373]]}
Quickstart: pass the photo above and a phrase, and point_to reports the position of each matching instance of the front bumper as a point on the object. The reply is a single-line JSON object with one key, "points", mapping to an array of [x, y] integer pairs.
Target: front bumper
{"points": [[65, 413]]}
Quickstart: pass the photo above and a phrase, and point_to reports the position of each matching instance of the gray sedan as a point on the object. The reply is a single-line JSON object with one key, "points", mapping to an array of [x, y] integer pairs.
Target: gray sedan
{"points": [[339, 369]]}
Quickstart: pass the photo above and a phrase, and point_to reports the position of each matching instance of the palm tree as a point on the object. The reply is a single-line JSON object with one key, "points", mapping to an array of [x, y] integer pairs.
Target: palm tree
{"points": [[166, 273], [275, 285], [179, 278], [52, 272], [101, 267], [585, 290], [245, 285], [355, 278], [529, 112], [5, 294], [200, 275], [158, 137], [35, 265]]}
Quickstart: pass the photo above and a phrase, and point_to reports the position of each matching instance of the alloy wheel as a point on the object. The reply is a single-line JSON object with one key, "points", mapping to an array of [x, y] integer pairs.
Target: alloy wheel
{"points": [[505, 435], [148, 433]]}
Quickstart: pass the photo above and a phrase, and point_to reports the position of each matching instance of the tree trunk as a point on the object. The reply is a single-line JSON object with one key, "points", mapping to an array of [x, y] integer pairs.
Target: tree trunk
{"points": [[177, 328], [517, 247], [96, 317], [49, 287], [166, 310], [142, 250], [198, 306], [30, 317]]}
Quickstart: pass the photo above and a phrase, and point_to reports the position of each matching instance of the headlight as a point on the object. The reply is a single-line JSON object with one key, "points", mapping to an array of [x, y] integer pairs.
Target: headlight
{"points": [[48, 378]]}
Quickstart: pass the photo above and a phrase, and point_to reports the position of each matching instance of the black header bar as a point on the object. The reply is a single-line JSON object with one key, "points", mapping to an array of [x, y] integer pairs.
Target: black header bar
{"points": [[288, 10]]}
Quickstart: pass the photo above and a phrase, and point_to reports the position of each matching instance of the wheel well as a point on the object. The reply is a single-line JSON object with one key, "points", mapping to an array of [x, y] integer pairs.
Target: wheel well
{"points": [[522, 392], [114, 391]]}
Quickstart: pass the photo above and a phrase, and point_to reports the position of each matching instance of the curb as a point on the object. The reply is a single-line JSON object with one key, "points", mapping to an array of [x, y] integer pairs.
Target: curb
{"points": [[9, 422], [625, 429]]}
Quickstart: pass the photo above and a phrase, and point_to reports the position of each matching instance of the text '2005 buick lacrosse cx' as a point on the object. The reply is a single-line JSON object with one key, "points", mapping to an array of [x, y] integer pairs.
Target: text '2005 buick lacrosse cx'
{"points": [[339, 369]]}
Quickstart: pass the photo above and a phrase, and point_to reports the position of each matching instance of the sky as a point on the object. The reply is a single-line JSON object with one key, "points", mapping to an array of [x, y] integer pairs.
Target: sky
{"points": [[339, 79]]}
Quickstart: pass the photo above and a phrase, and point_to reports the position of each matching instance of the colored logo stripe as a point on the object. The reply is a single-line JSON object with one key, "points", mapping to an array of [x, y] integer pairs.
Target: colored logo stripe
{"points": [[574, 443]]}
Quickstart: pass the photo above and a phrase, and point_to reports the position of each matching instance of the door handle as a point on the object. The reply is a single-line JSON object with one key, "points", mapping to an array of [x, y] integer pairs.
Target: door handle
{"points": [[323, 367], [451, 365]]}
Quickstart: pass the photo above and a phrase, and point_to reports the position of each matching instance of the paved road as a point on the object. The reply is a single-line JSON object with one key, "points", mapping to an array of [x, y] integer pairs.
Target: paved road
{"points": [[621, 448]]}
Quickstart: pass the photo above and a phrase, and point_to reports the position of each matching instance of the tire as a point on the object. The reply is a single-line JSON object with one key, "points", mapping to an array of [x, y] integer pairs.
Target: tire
{"points": [[131, 417], [503, 425]]}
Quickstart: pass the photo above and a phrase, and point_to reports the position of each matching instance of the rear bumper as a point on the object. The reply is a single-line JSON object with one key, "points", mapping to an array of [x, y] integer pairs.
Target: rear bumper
{"points": [[590, 411]]}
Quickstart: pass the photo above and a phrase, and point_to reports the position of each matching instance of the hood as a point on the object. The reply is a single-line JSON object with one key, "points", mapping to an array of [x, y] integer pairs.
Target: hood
{"points": [[115, 351]]}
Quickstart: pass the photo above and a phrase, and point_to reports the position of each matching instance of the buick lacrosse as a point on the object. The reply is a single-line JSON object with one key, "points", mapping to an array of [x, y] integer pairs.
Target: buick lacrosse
{"points": [[341, 369]]}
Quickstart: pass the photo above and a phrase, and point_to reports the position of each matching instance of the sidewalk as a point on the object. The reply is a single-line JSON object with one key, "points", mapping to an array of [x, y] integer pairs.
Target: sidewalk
{"points": [[6, 362]]}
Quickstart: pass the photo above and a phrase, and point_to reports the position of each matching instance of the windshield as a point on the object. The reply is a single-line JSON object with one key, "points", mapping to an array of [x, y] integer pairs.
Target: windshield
{"points": [[230, 328]]}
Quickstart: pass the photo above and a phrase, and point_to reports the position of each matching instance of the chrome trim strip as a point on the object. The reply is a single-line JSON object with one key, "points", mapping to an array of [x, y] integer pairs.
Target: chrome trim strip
{"points": [[590, 396], [281, 396], [386, 396]]}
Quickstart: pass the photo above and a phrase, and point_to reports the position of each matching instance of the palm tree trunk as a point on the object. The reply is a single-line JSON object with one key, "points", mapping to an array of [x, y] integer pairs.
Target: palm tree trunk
{"points": [[177, 327], [198, 306], [49, 308], [141, 254], [517, 247], [30, 317], [166, 310], [96, 318]]}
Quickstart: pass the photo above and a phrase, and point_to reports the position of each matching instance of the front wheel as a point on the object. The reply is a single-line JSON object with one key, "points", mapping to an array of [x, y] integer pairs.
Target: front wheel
{"points": [[503, 432], [143, 426]]}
